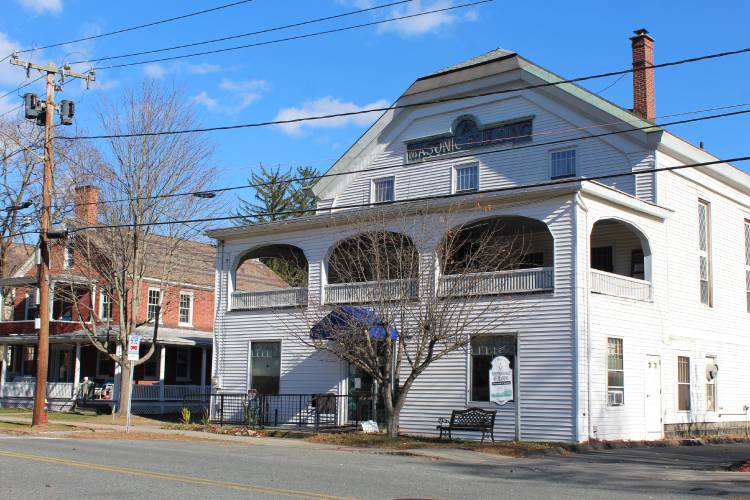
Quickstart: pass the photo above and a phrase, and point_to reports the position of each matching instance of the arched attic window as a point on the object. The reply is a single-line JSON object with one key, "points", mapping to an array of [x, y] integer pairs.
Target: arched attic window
{"points": [[271, 267], [620, 248]]}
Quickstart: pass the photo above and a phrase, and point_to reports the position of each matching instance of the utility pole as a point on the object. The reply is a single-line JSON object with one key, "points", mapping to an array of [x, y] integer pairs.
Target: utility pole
{"points": [[42, 355]]}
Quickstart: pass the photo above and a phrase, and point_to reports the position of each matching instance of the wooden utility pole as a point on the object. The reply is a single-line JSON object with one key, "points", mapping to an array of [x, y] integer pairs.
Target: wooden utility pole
{"points": [[42, 354]]}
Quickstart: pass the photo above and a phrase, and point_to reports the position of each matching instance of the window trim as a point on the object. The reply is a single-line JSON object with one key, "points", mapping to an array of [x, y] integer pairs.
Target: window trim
{"points": [[575, 162], [32, 294], [102, 294], [373, 190], [470, 373], [454, 177], [190, 310], [622, 370], [707, 254], [68, 257], [249, 374], [148, 304]]}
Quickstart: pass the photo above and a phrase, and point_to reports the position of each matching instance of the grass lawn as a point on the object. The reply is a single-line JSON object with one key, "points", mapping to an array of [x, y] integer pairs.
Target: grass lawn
{"points": [[89, 416], [26, 427]]}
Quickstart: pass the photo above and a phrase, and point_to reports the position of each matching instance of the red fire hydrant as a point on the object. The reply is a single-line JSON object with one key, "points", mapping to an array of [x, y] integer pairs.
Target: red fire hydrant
{"points": [[45, 409]]}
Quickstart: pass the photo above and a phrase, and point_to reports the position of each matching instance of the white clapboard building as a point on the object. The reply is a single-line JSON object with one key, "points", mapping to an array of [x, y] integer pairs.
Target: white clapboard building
{"points": [[630, 315]]}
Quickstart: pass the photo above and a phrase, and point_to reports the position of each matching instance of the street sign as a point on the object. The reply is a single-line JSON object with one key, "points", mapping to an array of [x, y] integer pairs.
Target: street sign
{"points": [[134, 346]]}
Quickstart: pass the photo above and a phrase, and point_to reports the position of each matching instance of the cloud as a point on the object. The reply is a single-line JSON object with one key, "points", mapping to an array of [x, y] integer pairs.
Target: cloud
{"points": [[158, 71], [154, 70], [41, 6], [420, 25], [243, 86], [202, 69], [327, 106], [204, 100]]}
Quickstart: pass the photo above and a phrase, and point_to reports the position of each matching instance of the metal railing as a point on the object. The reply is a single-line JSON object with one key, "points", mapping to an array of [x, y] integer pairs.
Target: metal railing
{"points": [[309, 411], [287, 297], [539, 279], [617, 285], [371, 291]]}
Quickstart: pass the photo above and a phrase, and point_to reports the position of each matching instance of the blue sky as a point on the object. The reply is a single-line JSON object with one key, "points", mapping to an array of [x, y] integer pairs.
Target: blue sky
{"points": [[372, 66]]}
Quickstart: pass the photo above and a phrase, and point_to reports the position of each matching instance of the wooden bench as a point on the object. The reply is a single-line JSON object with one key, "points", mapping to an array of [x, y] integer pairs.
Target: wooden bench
{"points": [[470, 419]]}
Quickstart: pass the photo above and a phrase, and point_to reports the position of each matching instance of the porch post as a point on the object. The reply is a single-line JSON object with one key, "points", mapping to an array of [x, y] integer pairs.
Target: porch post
{"points": [[118, 374], [203, 366], [77, 370], [162, 370], [4, 368]]}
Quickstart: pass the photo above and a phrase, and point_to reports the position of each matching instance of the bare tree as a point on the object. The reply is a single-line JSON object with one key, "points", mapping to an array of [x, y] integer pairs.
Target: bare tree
{"points": [[405, 318], [137, 178]]}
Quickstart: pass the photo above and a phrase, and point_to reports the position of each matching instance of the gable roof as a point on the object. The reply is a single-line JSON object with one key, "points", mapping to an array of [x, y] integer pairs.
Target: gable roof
{"points": [[18, 254]]}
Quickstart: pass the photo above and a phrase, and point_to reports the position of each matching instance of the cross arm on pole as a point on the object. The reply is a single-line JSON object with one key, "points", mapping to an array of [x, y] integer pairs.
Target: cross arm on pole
{"points": [[64, 71]]}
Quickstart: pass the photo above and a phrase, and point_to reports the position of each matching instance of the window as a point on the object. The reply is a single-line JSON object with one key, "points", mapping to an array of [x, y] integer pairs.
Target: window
{"points": [[711, 372], [265, 367], [28, 360], [186, 309], [150, 367], [104, 365], [563, 163], [182, 364], [68, 258], [467, 179], [483, 351], [704, 251], [637, 269], [154, 294], [32, 304], [615, 373], [747, 263], [105, 304], [683, 383], [383, 190], [601, 259]]}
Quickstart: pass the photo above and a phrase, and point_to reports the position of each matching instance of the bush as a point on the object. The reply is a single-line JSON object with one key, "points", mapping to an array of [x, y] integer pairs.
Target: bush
{"points": [[185, 416]]}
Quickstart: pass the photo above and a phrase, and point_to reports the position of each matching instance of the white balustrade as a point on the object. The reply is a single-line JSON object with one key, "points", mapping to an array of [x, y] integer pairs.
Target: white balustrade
{"points": [[371, 291], [617, 285], [513, 281], [23, 389], [59, 390], [286, 297]]}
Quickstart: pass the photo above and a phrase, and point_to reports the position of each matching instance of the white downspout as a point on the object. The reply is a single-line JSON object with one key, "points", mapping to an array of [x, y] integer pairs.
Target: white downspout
{"points": [[586, 293]]}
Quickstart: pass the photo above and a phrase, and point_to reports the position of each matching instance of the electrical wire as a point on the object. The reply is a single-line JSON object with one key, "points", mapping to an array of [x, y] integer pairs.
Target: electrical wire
{"points": [[24, 85], [141, 26], [243, 35], [407, 105], [432, 160], [418, 199], [296, 37]]}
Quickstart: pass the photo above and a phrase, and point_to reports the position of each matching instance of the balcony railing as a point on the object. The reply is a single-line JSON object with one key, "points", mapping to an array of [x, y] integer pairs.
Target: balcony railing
{"points": [[141, 392], [540, 279], [370, 291], [287, 297], [26, 389], [620, 286]]}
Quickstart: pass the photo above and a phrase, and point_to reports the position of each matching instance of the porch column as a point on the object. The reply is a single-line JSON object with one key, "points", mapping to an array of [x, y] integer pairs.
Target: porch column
{"points": [[162, 370], [77, 370], [4, 368], [118, 374], [203, 366]]}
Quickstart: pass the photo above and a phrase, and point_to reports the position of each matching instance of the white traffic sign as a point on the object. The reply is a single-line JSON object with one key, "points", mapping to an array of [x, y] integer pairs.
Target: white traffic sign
{"points": [[134, 347]]}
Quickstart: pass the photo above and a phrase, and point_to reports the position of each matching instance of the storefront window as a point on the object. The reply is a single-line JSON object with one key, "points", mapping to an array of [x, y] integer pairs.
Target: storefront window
{"points": [[483, 350]]}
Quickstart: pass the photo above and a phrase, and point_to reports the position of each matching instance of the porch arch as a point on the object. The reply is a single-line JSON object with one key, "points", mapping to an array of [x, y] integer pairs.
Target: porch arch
{"points": [[619, 247], [372, 256], [283, 266]]}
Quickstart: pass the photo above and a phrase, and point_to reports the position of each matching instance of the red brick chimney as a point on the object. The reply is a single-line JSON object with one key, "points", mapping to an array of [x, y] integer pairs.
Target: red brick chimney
{"points": [[87, 208], [643, 79]]}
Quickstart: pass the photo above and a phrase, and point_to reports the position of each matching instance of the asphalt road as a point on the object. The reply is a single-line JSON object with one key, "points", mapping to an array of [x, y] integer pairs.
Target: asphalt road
{"points": [[86, 468]]}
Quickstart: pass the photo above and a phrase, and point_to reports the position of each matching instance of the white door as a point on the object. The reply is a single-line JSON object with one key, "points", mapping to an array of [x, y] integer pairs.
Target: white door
{"points": [[654, 426]]}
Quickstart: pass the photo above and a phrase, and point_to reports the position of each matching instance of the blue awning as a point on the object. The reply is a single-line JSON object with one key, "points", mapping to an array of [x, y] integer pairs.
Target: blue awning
{"points": [[355, 319]]}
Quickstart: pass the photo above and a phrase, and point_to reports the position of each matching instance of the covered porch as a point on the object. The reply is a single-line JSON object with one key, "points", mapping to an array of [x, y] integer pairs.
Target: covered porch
{"points": [[79, 375]]}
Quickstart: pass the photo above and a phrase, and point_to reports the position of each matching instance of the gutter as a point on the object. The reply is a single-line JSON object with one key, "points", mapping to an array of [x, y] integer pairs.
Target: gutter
{"points": [[582, 205]]}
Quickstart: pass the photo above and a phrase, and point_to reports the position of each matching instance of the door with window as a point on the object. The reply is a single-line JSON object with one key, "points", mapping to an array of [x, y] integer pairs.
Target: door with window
{"points": [[265, 367], [654, 427]]}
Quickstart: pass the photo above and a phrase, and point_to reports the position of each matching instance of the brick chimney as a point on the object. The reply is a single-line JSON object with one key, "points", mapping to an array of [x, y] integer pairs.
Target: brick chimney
{"points": [[87, 208], [643, 79]]}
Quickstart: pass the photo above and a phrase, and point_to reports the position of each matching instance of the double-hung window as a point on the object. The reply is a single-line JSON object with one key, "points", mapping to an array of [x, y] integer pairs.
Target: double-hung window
{"points": [[467, 178], [186, 309], [182, 364], [563, 163], [683, 383], [483, 350], [105, 305], [615, 373], [265, 367], [711, 373], [747, 263], [383, 190], [154, 296], [704, 252], [32, 304]]}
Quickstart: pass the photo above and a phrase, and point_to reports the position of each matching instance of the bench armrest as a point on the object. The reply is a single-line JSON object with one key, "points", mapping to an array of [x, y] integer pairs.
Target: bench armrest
{"points": [[443, 420]]}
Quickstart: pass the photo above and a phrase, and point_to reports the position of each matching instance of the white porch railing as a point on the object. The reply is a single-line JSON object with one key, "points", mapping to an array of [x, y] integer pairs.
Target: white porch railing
{"points": [[369, 291], [187, 392], [142, 392], [620, 286], [65, 390], [248, 301], [60, 390], [514, 281], [26, 389]]}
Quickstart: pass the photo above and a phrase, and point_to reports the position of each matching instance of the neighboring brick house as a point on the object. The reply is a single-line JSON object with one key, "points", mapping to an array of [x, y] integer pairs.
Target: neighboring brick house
{"points": [[180, 368]]}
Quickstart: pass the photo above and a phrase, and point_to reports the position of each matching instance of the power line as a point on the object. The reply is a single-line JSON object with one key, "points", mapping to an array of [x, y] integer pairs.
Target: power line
{"points": [[23, 85], [409, 105], [140, 26], [418, 199], [441, 159], [297, 37], [243, 35]]}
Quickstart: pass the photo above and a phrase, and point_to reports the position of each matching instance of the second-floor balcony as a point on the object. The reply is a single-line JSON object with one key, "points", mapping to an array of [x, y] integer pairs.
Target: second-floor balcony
{"points": [[541, 279], [372, 291], [286, 297]]}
